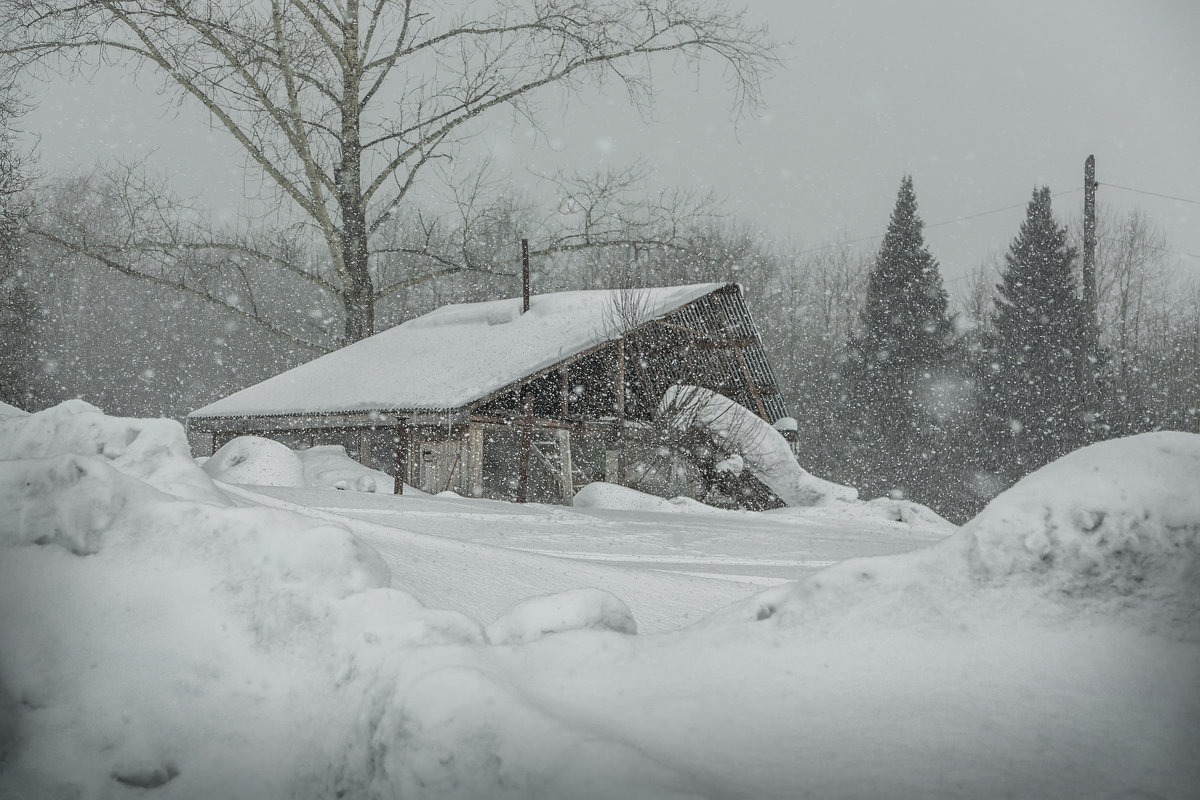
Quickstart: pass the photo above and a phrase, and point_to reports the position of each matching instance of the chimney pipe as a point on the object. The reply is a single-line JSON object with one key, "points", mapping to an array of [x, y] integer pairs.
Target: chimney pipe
{"points": [[524, 275]]}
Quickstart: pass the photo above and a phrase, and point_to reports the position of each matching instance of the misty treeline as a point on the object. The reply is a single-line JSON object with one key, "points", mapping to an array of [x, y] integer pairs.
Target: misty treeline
{"points": [[898, 389], [360, 125]]}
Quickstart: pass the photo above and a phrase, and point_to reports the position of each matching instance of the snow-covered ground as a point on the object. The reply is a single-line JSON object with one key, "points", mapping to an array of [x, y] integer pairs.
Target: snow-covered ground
{"points": [[162, 635]]}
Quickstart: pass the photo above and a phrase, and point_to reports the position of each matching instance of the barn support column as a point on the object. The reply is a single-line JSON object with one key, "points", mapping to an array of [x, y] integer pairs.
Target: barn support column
{"points": [[401, 463], [526, 446], [475, 458]]}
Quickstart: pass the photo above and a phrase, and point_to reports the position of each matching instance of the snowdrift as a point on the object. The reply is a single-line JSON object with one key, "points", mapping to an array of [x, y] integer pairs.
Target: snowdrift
{"points": [[161, 638], [255, 461], [614, 497], [1111, 528]]}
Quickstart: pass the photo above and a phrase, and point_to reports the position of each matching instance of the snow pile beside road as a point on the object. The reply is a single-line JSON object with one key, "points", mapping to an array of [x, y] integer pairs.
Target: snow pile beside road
{"points": [[157, 636], [153, 633], [255, 461], [762, 449], [11, 411], [149, 450], [1112, 528]]}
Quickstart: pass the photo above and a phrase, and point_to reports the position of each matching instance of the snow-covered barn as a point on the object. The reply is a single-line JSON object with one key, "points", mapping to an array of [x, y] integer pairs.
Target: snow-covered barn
{"points": [[489, 401]]}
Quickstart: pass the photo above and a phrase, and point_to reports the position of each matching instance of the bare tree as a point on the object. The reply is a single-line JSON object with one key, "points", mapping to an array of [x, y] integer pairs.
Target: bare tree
{"points": [[343, 106]]}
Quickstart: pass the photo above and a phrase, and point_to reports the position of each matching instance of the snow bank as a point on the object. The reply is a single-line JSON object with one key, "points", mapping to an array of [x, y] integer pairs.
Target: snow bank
{"points": [[255, 461], [578, 609], [1113, 528], [10, 411], [154, 451], [762, 449], [157, 637]]}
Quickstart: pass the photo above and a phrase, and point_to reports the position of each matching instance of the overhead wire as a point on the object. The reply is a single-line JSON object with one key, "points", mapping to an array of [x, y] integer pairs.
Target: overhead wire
{"points": [[954, 221], [1012, 207]]}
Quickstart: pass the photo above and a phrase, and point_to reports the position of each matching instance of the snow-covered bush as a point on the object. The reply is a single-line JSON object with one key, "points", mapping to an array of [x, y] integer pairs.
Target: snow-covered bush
{"points": [[577, 609], [743, 441]]}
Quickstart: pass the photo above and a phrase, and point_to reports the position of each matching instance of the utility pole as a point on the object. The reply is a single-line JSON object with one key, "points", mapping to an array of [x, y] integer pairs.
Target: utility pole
{"points": [[1089, 252], [524, 275]]}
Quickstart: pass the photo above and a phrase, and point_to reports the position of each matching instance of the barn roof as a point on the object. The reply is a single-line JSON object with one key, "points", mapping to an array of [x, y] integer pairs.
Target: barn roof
{"points": [[448, 357]]}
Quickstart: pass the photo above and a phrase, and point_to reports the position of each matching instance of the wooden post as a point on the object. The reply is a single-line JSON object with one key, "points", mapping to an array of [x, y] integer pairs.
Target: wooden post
{"points": [[401, 457], [566, 392], [524, 275], [1089, 251], [475, 454], [526, 446]]}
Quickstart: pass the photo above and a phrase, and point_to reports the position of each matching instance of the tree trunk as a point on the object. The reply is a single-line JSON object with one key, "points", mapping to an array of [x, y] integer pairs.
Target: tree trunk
{"points": [[358, 298]]}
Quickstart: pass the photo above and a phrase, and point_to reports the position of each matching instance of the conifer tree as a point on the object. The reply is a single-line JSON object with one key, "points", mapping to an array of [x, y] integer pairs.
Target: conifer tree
{"points": [[1040, 372], [903, 350]]}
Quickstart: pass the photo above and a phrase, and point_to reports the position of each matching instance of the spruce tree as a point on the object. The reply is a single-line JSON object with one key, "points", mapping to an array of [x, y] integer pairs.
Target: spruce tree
{"points": [[903, 350], [1040, 371]]}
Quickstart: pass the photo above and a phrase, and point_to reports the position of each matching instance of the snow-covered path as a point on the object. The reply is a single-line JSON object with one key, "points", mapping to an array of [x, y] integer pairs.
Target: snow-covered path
{"points": [[480, 556]]}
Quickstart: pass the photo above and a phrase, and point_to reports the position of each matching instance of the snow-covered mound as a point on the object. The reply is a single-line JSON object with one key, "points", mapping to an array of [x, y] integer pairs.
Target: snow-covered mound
{"points": [[578, 609], [255, 461], [328, 467], [615, 497], [156, 635], [162, 638], [1111, 528], [762, 449], [149, 450], [913, 516], [10, 411]]}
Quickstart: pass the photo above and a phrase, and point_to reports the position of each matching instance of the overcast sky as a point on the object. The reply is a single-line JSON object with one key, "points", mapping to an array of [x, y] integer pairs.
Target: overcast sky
{"points": [[979, 102]]}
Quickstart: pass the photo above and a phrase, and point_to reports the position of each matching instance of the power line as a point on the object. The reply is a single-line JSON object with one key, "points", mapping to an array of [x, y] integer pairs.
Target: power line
{"points": [[1152, 194], [954, 221]]}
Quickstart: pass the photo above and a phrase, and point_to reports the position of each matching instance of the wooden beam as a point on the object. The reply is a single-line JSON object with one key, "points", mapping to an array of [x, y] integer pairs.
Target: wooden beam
{"points": [[762, 409]]}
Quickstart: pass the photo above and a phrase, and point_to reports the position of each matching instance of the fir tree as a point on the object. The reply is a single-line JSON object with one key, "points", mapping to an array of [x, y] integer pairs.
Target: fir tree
{"points": [[902, 353], [1040, 371]]}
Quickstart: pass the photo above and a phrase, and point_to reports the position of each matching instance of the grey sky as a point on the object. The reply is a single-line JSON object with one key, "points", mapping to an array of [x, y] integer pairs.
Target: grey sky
{"points": [[979, 101]]}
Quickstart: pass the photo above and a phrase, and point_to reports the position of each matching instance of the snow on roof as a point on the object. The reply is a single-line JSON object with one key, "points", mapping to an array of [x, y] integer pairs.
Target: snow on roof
{"points": [[449, 357]]}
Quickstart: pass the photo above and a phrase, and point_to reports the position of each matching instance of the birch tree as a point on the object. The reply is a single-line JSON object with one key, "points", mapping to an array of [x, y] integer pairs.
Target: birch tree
{"points": [[343, 105]]}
